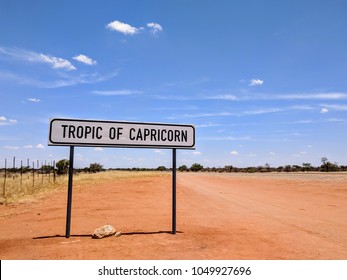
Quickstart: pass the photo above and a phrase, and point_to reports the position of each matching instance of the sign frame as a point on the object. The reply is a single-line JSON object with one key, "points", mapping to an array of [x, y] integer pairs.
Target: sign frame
{"points": [[147, 126]]}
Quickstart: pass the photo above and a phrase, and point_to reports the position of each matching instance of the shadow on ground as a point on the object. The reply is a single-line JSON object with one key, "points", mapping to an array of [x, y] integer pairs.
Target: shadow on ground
{"points": [[123, 233]]}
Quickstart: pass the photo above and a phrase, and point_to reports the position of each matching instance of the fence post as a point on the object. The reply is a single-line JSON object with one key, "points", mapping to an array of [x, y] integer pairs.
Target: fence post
{"points": [[4, 189], [49, 172], [28, 165], [21, 174], [42, 173], [33, 176], [14, 166], [54, 171]]}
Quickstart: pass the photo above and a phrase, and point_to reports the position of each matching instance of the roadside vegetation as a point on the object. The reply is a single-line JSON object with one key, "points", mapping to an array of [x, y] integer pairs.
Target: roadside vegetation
{"points": [[326, 166], [19, 183]]}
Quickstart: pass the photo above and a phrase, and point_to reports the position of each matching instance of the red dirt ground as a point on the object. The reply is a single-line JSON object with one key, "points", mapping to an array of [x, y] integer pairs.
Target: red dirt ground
{"points": [[219, 216]]}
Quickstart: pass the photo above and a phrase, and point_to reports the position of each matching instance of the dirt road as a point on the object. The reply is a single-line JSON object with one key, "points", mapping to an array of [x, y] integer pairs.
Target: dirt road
{"points": [[219, 216]]}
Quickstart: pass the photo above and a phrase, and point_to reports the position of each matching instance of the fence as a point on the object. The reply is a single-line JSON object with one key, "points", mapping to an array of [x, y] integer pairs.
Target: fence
{"points": [[26, 179]]}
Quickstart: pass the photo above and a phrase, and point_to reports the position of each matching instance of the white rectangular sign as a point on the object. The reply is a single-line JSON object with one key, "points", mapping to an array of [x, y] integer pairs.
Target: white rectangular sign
{"points": [[73, 132]]}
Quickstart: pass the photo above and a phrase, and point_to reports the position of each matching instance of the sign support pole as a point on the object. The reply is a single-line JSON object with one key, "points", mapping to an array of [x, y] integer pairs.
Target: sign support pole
{"points": [[173, 191], [69, 195]]}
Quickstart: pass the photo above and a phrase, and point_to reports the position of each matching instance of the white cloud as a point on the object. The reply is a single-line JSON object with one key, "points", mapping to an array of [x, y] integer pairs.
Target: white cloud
{"points": [[160, 152], [337, 107], [272, 153], [5, 121], [28, 147], [35, 100], [40, 146], [298, 155], [249, 97], [234, 153], [84, 59], [127, 29], [11, 147], [200, 115], [154, 27], [260, 111], [226, 138], [208, 125], [117, 92], [312, 96], [334, 120], [197, 153], [63, 81], [98, 149], [263, 111], [324, 110], [121, 27], [57, 62], [224, 97], [34, 57], [255, 82]]}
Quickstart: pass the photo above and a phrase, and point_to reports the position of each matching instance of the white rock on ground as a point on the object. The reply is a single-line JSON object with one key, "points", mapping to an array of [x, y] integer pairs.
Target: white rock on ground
{"points": [[104, 231]]}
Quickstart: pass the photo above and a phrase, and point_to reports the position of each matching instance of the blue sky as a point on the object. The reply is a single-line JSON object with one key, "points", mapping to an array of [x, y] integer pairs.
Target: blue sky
{"points": [[262, 81]]}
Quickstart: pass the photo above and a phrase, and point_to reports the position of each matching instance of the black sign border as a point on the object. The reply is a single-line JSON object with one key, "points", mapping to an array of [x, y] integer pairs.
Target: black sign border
{"points": [[53, 143]]}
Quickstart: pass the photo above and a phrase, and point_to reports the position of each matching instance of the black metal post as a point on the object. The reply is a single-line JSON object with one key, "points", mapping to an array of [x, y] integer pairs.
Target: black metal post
{"points": [[69, 195], [173, 191]]}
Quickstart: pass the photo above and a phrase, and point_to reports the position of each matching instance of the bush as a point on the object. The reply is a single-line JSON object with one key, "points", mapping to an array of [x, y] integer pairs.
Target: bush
{"points": [[161, 168], [196, 167], [62, 166], [183, 168], [95, 167]]}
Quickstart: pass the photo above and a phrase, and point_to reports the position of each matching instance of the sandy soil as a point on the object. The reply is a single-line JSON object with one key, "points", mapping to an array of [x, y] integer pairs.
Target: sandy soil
{"points": [[219, 216]]}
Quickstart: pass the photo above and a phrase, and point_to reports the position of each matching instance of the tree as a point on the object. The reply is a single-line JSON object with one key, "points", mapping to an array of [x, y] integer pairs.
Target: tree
{"points": [[324, 160], [46, 169], [328, 166], [161, 168], [62, 166], [183, 168], [307, 166], [288, 168], [325, 164], [27, 169], [95, 167], [267, 166], [196, 167], [228, 168]]}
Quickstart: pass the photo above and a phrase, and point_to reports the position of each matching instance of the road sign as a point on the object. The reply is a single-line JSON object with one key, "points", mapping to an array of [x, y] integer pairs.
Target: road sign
{"points": [[93, 133], [74, 132]]}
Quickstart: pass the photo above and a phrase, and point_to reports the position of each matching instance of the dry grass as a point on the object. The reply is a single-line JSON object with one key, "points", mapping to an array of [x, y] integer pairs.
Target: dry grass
{"points": [[92, 179], [17, 188]]}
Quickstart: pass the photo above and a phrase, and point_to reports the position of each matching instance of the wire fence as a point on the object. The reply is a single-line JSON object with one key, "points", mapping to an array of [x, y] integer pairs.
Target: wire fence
{"points": [[26, 178]]}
